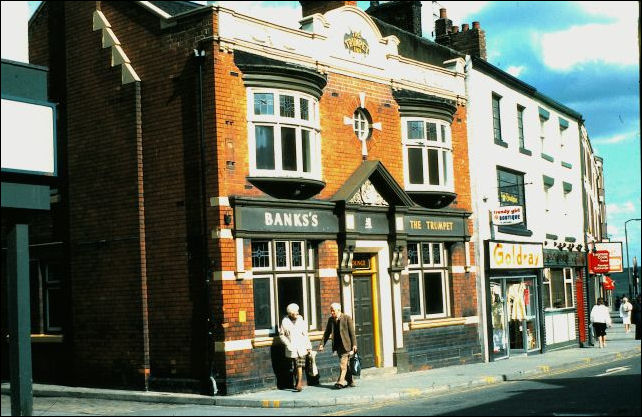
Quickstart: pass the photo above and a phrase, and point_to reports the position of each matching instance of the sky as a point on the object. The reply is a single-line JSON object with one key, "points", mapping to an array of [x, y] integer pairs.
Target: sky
{"points": [[584, 55]]}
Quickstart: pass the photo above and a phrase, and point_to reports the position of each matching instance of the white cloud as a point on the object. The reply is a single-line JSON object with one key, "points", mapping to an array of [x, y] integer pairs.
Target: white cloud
{"points": [[610, 140], [286, 13], [616, 208], [612, 43], [515, 71]]}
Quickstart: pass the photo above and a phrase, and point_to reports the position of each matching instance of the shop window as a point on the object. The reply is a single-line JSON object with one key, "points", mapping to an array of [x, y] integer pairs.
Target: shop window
{"points": [[557, 291], [283, 273], [427, 154], [284, 134], [428, 280], [46, 297]]}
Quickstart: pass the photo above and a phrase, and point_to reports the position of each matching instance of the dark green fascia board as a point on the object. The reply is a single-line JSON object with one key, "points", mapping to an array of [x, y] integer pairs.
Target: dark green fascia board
{"points": [[25, 196], [568, 187], [525, 151], [569, 239], [548, 157], [567, 165], [551, 236], [548, 181]]}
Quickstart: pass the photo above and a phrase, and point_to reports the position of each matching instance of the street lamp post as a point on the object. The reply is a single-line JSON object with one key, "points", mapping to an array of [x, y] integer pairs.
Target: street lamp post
{"points": [[628, 267]]}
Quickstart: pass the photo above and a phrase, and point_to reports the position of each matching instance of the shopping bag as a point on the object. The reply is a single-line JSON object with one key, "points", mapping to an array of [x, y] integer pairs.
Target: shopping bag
{"points": [[355, 364]]}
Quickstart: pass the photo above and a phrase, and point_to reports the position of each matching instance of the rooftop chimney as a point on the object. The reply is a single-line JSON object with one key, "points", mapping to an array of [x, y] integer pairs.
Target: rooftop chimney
{"points": [[312, 7], [468, 41], [405, 15]]}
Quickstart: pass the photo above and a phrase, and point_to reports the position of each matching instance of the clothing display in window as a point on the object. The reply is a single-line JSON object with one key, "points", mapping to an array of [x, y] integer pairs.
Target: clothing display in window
{"points": [[516, 306]]}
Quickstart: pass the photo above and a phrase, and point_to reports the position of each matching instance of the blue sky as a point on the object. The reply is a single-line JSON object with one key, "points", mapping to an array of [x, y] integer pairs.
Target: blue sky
{"points": [[582, 54]]}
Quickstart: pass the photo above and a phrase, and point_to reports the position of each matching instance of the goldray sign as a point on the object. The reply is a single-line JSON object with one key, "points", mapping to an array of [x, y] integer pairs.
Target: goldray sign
{"points": [[507, 215]]}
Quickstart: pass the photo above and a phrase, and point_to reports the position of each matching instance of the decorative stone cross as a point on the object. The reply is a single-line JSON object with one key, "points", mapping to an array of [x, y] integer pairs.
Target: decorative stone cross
{"points": [[359, 122]]}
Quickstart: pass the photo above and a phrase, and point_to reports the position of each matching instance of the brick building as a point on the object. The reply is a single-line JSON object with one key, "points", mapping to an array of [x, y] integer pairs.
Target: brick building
{"points": [[217, 167]]}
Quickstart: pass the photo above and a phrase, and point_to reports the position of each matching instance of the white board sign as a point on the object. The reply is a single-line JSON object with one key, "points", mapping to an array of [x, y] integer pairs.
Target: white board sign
{"points": [[507, 215], [28, 137]]}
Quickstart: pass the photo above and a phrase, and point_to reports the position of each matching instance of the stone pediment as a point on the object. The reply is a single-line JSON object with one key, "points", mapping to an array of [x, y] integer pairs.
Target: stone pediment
{"points": [[372, 185]]}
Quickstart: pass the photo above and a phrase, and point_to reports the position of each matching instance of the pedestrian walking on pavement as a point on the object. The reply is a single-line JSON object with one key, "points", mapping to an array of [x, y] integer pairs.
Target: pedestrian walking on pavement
{"points": [[625, 313], [294, 335], [636, 316], [601, 318], [341, 327]]}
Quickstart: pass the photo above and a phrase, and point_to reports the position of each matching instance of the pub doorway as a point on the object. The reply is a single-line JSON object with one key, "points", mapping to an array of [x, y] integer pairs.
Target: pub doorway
{"points": [[366, 307]]}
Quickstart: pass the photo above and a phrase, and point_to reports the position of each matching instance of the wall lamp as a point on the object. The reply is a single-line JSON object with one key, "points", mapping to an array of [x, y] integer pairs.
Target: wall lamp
{"points": [[227, 218]]}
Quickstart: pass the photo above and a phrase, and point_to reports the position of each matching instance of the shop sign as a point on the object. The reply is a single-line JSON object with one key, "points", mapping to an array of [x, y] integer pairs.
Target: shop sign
{"points": [[608, 283], [510, 198], [369, 223], [434, 226], [361, 261], [268, 219], [558, 258], [508, 215], [505, 255], [615, 254], [599, 262]]}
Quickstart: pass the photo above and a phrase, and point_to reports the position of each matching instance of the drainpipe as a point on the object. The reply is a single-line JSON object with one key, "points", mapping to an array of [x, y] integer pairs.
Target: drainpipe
{"points": [[205, 259]]}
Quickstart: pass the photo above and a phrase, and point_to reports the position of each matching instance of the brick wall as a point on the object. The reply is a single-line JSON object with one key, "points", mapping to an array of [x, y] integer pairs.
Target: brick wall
{"points": [[442, 346]]}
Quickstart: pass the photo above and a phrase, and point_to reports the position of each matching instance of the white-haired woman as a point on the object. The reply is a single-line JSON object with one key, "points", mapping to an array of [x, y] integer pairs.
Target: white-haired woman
{"points": [[294, 335]]}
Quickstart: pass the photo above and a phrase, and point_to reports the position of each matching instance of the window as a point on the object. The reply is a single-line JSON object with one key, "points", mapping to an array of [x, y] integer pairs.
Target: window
{"points": [[362, 123], [520, 126], [557, 291], [510, 188], [46, 297], [427, 154], [283, 273], [497, 123], [428, 279], [283, 130]]}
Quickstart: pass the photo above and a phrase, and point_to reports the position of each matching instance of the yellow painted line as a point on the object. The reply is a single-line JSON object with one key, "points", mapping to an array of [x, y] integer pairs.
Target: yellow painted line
{"points": [[271, 403], [544, 368], [491, 379], [413, 391], [587, 360], [618, 355], [277, 404], [266, 404]]}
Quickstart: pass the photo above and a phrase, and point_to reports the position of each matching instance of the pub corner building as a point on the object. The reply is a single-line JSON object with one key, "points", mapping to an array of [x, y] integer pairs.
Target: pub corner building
{"points": [[216, 167]]}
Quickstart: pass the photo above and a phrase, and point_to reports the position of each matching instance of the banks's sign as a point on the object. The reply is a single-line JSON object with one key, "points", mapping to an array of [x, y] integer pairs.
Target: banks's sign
{"points": [[505, 255]]}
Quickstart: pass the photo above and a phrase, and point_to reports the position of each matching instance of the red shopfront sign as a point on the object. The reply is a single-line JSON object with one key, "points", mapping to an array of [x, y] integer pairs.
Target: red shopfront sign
{"points": [[599, 262]]}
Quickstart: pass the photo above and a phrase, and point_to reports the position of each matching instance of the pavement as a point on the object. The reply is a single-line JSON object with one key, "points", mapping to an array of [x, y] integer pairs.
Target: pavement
{"points": [[383, 385]]}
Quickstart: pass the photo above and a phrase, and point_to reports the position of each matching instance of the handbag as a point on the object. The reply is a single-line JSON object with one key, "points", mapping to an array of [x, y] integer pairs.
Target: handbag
{"points": [[355, 364]]}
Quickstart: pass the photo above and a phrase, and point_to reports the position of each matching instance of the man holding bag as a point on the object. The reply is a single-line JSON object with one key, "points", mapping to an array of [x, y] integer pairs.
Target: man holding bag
{"points": [[341, 327]]}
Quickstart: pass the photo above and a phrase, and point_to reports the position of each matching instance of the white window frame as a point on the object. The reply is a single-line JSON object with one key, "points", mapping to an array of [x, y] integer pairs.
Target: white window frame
{"points": [[442, 145], [273, 273], [276, 122], [431, 267], [569, 274]]}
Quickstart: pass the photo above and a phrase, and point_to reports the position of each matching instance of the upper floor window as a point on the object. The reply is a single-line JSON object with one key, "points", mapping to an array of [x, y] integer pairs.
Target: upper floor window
{"points": [[497, 123], [520, 126], [47, 302], [427, 154], [510, 188], [283, 130]]}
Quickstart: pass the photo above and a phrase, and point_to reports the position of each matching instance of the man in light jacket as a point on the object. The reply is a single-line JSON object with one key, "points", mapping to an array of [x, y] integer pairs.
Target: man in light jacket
{"points": [[294, 335]]}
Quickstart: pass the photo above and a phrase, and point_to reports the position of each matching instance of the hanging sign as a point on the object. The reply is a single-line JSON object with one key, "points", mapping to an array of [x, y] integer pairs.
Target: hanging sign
{"points": [[507, 215], [608, 283], [615, 254], [599, 262]]}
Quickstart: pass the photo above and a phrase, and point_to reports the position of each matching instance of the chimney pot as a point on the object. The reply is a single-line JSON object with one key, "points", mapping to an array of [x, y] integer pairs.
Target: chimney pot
{"points": [[464, 27], [476, 25], [455, 29], [442, 13]]}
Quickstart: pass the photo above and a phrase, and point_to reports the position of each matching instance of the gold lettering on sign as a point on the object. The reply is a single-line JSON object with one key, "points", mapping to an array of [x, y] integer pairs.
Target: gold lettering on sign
{"points": [[354, 42], [439, 225], [415, 224]]}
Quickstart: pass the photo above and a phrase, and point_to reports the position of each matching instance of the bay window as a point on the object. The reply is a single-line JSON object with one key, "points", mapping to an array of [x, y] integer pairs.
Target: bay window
{"points": [[284, 134], [427, 155]]}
